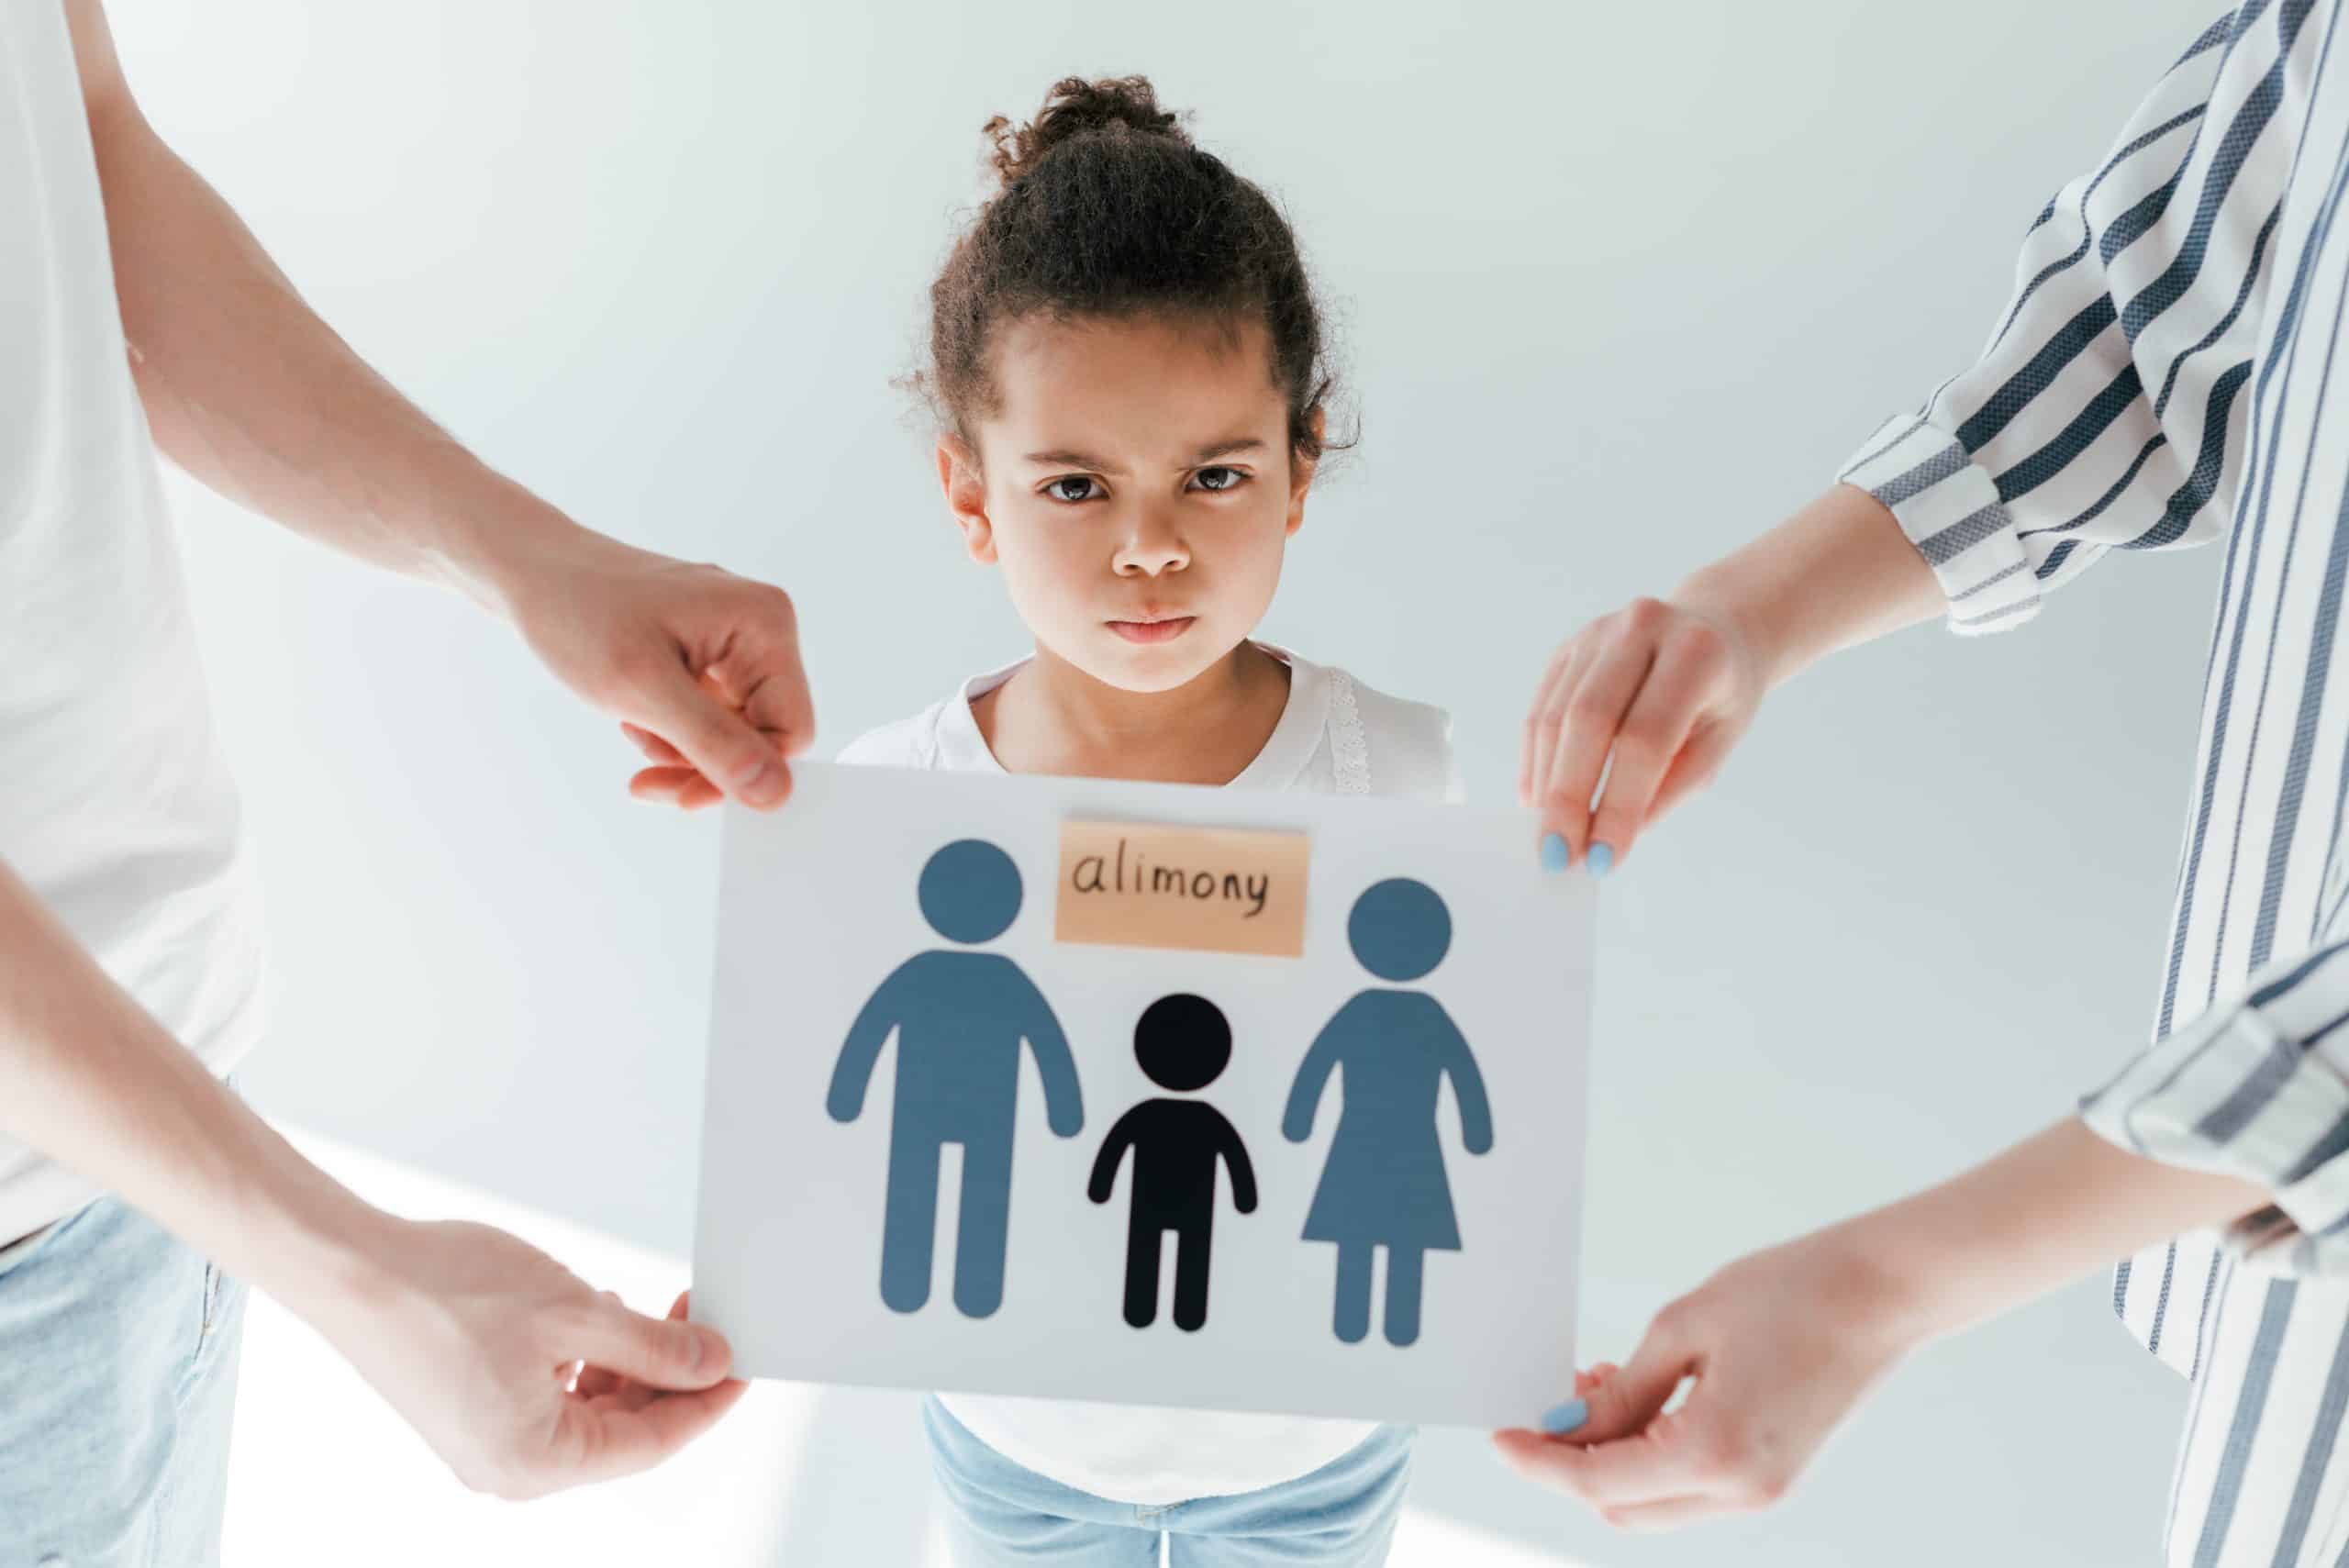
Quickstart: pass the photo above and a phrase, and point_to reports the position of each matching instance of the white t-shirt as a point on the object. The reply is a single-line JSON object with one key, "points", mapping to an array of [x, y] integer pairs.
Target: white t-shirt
{"points": [[1335, 736], [115, 806]]}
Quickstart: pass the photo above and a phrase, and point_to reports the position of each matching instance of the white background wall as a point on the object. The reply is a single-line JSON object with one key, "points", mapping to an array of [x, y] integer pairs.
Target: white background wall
{"points": [[1620, 285]]}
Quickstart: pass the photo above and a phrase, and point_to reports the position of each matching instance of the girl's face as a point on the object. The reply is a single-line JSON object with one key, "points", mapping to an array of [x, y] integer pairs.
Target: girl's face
{"points": [[1137, 488]]}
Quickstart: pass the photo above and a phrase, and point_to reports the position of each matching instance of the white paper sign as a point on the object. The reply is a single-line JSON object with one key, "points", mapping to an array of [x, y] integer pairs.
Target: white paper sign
{"points": [[945, 1149]]}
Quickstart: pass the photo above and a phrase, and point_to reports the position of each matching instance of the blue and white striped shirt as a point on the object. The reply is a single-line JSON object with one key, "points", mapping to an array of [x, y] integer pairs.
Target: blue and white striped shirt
{"points": [[2163, 377]]}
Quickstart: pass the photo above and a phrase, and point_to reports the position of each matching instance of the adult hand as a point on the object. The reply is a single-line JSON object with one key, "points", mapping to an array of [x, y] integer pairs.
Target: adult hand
{"points": [[700, 666], [519, 1374], [1782, 1345], [1666, 689]]}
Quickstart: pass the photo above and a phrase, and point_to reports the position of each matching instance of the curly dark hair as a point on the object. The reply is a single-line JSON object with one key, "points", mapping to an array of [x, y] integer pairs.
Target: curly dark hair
{"points": [[1106, 208]]}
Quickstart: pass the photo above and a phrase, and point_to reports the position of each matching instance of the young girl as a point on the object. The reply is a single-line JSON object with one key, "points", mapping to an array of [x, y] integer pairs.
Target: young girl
{"points": [[1126, 361]]}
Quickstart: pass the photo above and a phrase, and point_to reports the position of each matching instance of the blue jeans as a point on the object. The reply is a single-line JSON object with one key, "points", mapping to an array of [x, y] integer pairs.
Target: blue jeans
{"points": [[1000, 1515], [118, 1383]]}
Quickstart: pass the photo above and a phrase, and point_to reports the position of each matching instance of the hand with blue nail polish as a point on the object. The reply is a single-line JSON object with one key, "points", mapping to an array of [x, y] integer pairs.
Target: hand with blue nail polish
{"points": [[1781, 1346], [1665, 690]]}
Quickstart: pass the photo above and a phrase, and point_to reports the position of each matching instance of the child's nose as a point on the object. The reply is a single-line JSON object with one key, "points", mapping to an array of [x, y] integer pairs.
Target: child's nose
{"points": [[1154, 547]]}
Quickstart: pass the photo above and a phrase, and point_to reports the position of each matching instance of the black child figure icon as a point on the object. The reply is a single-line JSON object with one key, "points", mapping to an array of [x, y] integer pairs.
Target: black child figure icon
{"points": [[1183, 1043]]}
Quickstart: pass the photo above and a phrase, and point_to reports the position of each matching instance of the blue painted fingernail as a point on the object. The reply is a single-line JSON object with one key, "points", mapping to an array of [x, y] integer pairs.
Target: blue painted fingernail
{"points": [[1562, 1419], [1601, 859], [1556, 856]]}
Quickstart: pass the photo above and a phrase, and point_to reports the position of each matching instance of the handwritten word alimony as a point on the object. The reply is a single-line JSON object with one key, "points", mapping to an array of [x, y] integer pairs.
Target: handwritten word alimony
{"points": [[1210, 889]]}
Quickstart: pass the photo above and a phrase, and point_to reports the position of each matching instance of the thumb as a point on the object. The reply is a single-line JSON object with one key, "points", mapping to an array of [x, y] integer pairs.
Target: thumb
{"points": [[722, 745], [674, 1354], [1622, 1405]]}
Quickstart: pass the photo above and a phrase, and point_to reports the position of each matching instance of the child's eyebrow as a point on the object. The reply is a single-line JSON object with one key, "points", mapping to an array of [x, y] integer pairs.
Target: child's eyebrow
{"points": [[1065, 459], [1074, 460]]}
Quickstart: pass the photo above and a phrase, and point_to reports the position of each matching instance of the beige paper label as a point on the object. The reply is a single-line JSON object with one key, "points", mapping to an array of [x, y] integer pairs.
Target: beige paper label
{"points": [[1210, 889]]}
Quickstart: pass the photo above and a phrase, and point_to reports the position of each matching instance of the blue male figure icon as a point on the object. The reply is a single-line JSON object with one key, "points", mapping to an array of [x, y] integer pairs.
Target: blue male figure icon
{"points": [[1383, 1185], [960, 1018]]}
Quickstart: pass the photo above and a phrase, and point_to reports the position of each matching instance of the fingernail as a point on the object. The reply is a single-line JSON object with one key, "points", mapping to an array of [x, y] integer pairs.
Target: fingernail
{"points": [[1600, 860], [1559, 1419], [750, 775], [1556, 856]]}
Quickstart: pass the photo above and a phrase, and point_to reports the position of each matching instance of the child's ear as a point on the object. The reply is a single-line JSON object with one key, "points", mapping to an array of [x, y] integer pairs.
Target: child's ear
{"points": [[966, 496], [1301, 474]]}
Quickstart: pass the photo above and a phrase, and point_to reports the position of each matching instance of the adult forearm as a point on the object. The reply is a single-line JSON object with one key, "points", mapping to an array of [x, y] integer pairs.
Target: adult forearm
{"points": [[1785, 1342], [1838, 571], [468, 1332], [247, 389], [2057, 1205], [89, 1079]]}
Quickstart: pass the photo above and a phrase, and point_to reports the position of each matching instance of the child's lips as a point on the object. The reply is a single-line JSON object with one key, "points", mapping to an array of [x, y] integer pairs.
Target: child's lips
{"points": [[1165, 629]]}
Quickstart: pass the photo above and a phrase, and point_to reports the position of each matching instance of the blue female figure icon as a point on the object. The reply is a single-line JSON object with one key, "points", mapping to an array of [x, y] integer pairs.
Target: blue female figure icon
{"points": [[1383, 1185]]}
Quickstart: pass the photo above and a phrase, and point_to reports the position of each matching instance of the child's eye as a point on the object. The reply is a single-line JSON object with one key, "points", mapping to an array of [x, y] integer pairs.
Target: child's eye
{"points": [[1072, 488], [1219, 478]]}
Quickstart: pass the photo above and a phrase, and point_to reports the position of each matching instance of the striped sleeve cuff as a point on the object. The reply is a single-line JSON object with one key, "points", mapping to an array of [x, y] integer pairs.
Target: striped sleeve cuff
{"points": [[2255, 1090], [1949, 507]]}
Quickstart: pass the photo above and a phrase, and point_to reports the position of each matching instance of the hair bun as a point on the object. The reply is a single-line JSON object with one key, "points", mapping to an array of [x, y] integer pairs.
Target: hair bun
{"points": [[1077, 107]]}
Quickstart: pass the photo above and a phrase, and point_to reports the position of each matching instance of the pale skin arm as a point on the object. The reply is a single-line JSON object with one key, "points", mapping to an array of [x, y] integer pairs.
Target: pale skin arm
{"points": [[247, 389], [472, 1335], [521, 1376], [1784, 1343]]}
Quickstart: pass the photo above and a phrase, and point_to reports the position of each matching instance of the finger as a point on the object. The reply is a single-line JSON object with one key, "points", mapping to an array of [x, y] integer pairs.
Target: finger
{"points": [[1627, 1402], [1699, 760], [1646, 1518], [670, 1354], [601, 1442], [1654, 729], [622, 1392], [628, 1396], [720, 743], [1593, 712], [1552, 717], [1586, 1380], [601, 1383], [676, 786], [652, 746], [1666, 1459], [1541, 725], [680, 787], [761, 674], [1614, 1475]]}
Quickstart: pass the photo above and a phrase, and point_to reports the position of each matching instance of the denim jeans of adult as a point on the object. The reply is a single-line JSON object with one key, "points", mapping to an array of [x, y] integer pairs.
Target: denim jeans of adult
{"points": [[117, 1386], [1001, 1515]]}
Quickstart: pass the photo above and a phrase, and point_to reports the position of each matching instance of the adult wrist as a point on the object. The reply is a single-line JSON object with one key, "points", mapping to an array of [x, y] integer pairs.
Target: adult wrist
{"points": [[1721, 595], [314, 1244], [1896, 1296], [1839, 571], [502, 545]]}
